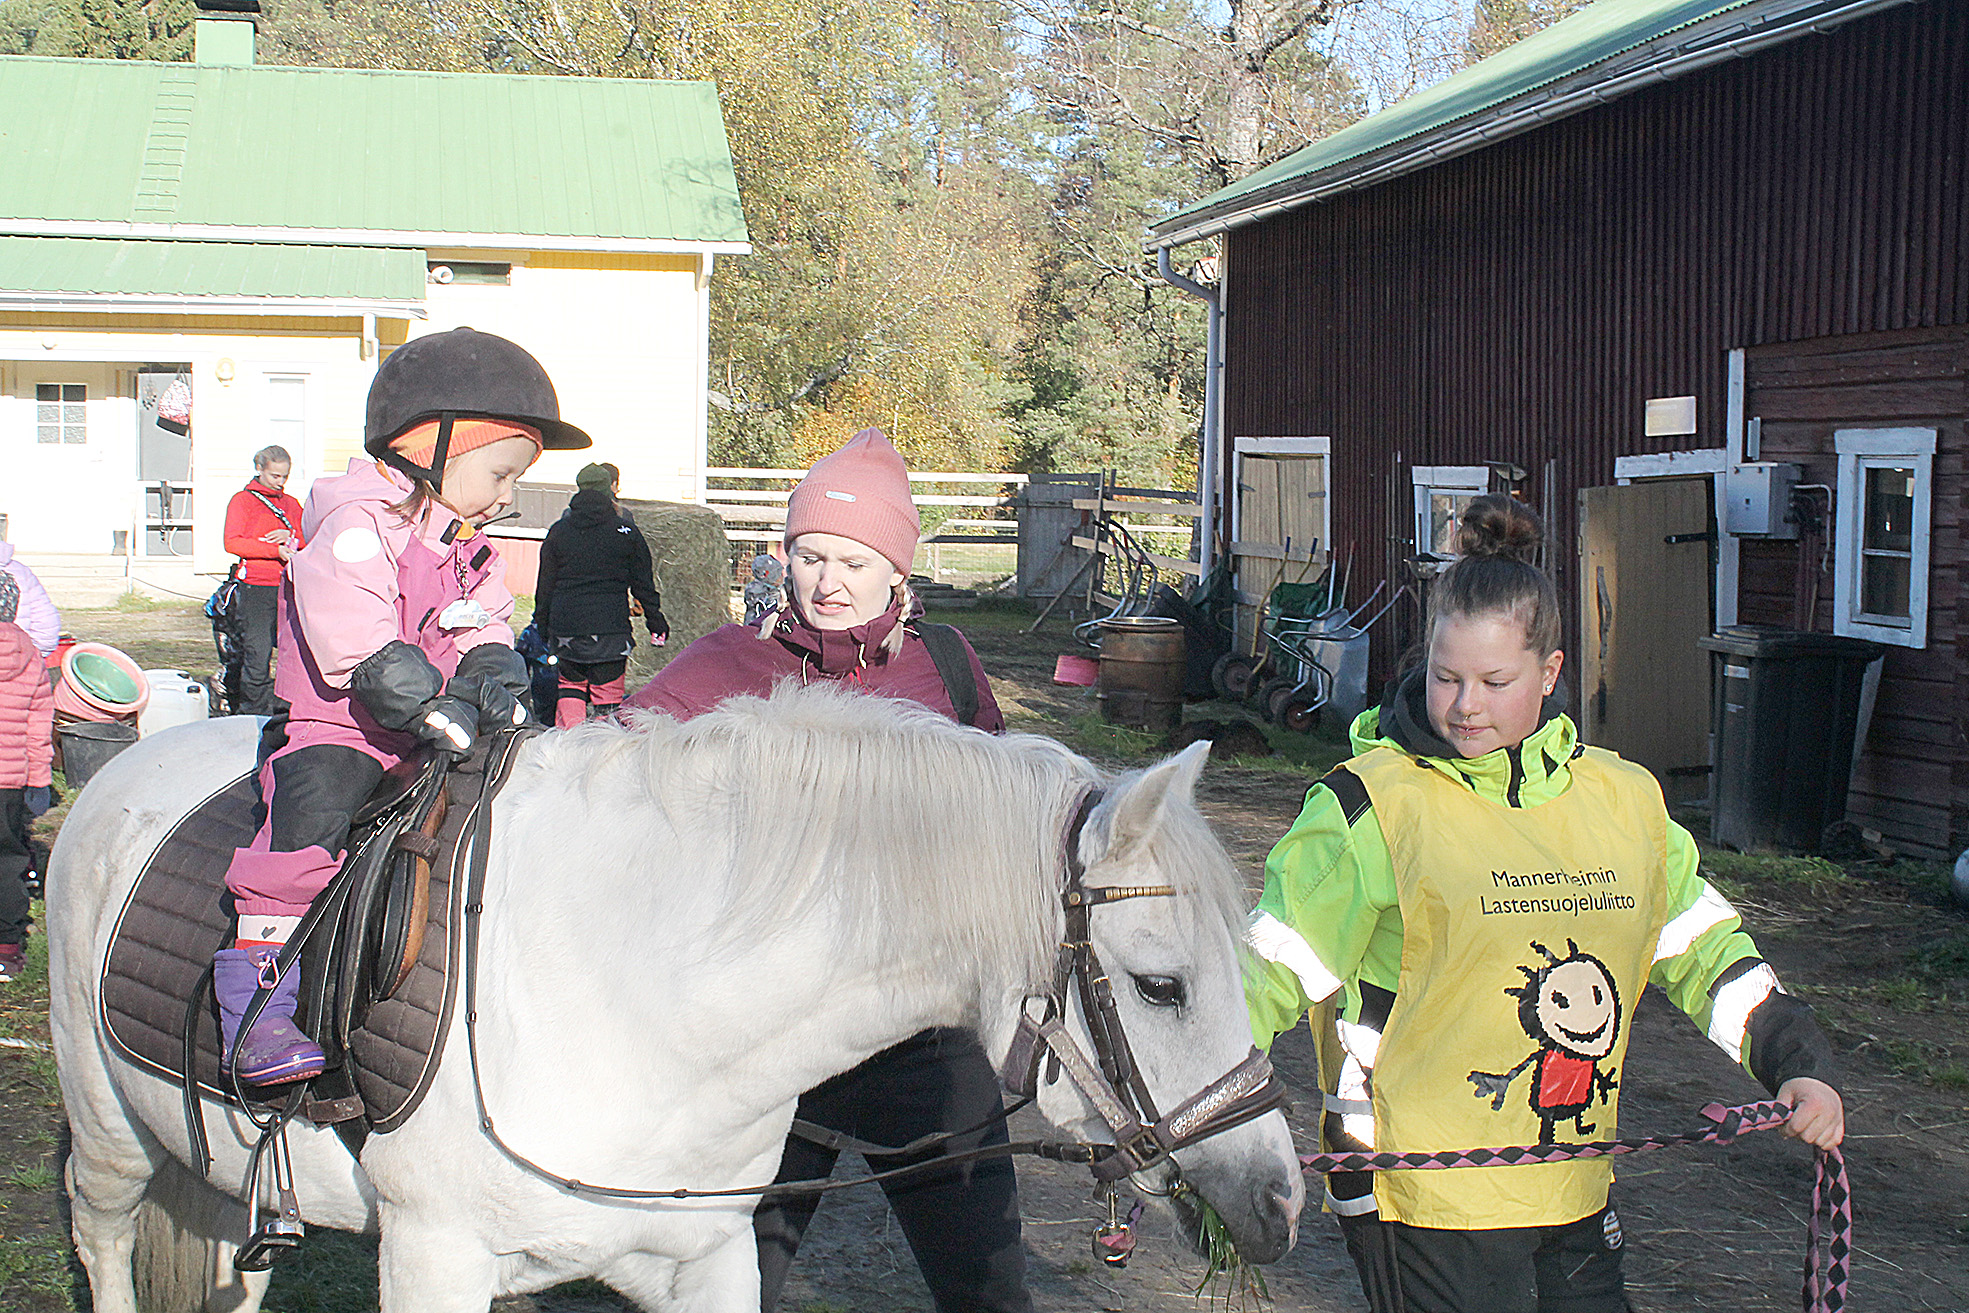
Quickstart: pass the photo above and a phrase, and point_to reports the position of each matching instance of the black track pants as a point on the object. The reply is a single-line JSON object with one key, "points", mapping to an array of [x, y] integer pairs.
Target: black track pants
{"points": [[257, 603], [962, 1222], [16, 862], [1573, 1268]]}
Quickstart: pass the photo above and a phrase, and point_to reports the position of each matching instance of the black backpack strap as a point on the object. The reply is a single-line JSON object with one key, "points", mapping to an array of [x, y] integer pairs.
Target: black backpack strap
{"points": [[953, 660], [274, 506], [1349, 792]]}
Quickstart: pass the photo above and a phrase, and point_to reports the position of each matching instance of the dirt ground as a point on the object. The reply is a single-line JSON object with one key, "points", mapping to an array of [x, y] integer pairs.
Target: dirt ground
{"points": [[1874, 945]]}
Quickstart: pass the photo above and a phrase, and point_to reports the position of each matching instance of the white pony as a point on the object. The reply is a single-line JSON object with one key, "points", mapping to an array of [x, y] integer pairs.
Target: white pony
{"points": [[686, 926]]}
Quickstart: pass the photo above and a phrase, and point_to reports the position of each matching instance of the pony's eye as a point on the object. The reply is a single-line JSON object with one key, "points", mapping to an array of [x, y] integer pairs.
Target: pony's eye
{"points": [[1161, 991]]}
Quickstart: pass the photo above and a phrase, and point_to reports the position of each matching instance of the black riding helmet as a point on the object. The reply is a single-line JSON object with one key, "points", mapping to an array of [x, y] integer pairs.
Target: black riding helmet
{"points": [[461, 374]]}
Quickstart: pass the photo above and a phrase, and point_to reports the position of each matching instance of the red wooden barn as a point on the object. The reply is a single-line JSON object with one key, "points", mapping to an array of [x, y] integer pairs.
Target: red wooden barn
{"points": [[1701, 248]]}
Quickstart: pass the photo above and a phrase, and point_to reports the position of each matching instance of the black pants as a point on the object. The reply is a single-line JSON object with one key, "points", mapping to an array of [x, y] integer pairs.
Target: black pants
{"points": [[256, 636], [962, 1222], [16, 861], [1572, 1268]]}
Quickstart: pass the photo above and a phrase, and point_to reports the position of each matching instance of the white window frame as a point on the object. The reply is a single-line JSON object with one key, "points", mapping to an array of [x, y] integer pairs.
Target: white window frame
{"points": [[1858, 451], [62, 427], [1428, 480]]}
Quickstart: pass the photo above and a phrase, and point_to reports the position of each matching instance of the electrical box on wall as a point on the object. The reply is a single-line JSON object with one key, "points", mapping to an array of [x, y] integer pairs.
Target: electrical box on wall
{"points": [[1757, 497]]}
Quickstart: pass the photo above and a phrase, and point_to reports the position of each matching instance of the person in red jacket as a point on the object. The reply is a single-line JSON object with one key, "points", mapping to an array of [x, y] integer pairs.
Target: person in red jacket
{"points": [[847, 616], [263, 529], [27, 721]]}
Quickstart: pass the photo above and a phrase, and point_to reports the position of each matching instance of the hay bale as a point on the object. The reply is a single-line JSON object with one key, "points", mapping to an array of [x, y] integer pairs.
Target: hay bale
{"points": [[693, 572]]}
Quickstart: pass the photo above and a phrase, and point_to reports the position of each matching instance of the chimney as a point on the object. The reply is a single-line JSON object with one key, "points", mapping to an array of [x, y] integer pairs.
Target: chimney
{"points": [[223, 31]]}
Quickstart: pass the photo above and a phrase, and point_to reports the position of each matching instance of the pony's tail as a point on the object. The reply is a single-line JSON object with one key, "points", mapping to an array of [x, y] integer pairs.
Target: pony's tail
{"points": [[180, 1264]]}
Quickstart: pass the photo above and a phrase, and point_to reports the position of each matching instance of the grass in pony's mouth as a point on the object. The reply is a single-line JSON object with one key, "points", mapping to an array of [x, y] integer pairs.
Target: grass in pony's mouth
{"points": [[1242, 1283]]}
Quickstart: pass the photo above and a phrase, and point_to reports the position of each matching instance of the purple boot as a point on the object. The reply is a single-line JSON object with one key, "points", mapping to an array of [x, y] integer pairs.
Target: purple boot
{"points": [[275, 1051]]}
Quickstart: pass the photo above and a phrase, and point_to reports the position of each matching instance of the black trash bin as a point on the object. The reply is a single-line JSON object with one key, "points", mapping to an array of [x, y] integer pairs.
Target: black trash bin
{"points": [[1786, 706]]}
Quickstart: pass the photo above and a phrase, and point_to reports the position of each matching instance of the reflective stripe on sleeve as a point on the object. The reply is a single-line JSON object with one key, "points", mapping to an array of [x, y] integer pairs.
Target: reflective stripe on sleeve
{"points": [[1352, 1207], [1730, 1010], [1708, 911], [1275, 941], [1362, 1045]]}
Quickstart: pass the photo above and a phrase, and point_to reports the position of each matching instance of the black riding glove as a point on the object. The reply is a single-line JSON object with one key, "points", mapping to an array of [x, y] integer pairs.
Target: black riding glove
{"points": [[659, 628], [394, 685], [448, 723], [493, 678]]}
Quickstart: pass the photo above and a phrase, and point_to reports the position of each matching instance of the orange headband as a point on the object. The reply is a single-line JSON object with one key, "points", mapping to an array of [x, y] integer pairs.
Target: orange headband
{"points": [[417, 444]]}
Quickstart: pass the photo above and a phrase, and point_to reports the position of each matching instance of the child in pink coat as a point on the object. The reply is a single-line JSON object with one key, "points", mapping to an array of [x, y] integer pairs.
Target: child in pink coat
{"points": [[393, 631], [27, 721]]}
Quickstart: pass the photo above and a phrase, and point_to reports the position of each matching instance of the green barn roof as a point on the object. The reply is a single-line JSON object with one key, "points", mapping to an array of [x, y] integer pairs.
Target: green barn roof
{"points": [[363, 157], [1603, 51]]}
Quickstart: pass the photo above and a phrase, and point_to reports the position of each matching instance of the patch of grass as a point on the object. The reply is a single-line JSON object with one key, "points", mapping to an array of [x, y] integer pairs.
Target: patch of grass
{"points": [[138, 603], [1735, 872], [1091, 736], [1931, 1063], [1946, 958], [38, 1178], [35, 1266], [332, 1272], [1950, 1076], [1929, 880], [1903, 994]]}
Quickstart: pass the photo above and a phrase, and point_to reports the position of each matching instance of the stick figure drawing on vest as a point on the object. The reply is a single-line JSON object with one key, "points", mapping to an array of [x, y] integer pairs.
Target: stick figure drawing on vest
{"points": [[1571, 1009]]}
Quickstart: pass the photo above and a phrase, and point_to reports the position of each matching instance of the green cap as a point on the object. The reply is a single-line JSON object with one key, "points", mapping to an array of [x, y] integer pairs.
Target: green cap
{"points": [[603, 476]]}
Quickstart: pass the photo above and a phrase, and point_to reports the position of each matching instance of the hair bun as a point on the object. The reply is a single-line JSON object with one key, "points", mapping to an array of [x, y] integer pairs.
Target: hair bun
{"points": [[1496, 525]]}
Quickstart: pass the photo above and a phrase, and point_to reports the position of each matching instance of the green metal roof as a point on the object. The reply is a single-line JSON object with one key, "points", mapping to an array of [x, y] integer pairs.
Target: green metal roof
{"points": [[1604, 50], [344, 155], [49, 268]]}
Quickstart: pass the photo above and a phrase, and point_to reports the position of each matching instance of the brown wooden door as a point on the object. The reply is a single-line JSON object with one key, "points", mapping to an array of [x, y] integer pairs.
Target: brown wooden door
{"points": [[1644, 601]]}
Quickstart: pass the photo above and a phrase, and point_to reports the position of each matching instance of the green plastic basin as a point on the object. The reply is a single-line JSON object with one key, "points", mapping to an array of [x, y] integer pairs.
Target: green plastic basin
{"points": [[102, 678]]}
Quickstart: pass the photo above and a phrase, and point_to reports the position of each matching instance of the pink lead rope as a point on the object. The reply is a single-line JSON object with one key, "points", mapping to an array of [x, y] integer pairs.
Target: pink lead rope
{"points": [[1829, 1235]]}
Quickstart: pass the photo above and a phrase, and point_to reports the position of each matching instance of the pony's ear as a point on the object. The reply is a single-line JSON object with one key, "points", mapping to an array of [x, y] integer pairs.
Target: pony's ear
{"points": [[1138, 812]]}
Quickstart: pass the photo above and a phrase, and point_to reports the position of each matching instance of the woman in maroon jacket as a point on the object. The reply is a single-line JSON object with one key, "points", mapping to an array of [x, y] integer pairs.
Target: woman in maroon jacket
{"points": [[851, 533], [263, 529]]}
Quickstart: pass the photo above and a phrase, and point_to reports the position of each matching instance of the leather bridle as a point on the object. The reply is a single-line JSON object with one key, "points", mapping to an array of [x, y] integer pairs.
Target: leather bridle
{"points": [[1111, 1080]]}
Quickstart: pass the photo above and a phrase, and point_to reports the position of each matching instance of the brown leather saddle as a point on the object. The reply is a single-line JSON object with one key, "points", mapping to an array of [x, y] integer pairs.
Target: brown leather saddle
{"points": [[378, 983]]}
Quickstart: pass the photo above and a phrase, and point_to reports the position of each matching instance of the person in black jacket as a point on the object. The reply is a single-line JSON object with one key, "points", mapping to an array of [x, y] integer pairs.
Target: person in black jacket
{"points": [[593, 560]]}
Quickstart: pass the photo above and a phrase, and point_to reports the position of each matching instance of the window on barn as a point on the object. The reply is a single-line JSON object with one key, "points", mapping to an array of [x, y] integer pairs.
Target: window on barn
{"points": [[61, 412], [1880, 581], [1442, 492]]}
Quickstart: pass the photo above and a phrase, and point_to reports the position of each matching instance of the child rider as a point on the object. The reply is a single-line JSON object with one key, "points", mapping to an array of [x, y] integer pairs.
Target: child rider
{"points": [[392, 631]]}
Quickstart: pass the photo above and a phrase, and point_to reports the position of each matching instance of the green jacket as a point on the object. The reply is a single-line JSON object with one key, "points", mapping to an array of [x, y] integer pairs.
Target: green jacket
{"points": [[1330, 914]]}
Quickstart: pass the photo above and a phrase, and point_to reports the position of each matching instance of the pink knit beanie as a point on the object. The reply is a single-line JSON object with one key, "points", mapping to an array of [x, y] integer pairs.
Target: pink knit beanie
{"points": [[859, 492]]}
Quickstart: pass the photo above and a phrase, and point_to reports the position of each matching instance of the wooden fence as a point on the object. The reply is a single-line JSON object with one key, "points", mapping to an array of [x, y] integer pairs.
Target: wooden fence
{"points": [[758, 515]]}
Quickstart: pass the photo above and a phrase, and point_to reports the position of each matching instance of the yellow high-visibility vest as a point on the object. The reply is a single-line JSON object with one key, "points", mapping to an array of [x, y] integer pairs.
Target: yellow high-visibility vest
{"points": [[1528, 934]]}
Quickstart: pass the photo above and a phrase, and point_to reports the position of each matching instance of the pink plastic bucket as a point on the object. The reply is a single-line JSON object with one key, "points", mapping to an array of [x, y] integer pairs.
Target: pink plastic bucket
{"points": [[1077, 670], [100, 683]]}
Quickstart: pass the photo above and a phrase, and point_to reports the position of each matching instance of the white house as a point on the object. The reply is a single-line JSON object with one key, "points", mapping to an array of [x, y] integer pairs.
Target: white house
{"points": [[268, 234]]}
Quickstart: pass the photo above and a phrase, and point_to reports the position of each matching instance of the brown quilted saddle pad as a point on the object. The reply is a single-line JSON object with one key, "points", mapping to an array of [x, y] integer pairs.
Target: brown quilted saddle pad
{"points": [[175, 919]]}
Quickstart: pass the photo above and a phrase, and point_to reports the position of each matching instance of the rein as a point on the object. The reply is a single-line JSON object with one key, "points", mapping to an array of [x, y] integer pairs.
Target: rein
{"points": [[1828, 1235], [1142, 1139]]}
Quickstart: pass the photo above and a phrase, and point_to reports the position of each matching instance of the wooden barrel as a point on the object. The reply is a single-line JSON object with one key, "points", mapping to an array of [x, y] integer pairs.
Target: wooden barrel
{"points": [[1143, 659]]}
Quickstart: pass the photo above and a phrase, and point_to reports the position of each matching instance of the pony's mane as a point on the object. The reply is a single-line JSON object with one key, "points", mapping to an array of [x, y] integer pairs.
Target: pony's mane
{"points": [[816, 799], [815, 796]]}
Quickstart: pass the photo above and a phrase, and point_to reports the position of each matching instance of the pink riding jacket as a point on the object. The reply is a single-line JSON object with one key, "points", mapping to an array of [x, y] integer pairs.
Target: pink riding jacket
{"points": [[366, 579], [27, 712]]}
